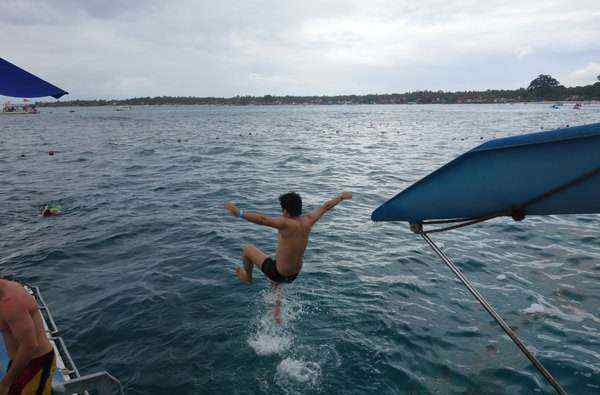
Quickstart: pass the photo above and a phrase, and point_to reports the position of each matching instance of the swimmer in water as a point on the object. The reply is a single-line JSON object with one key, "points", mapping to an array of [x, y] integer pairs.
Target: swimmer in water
{"points": [[292, 238], [51, 210]]}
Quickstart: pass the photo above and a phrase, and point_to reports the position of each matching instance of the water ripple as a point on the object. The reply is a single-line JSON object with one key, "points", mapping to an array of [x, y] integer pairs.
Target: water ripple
{"points": [[139, 269]]}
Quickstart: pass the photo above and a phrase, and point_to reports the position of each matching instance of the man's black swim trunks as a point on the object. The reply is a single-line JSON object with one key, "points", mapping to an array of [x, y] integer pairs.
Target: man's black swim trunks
{"points": [[269, 268]]}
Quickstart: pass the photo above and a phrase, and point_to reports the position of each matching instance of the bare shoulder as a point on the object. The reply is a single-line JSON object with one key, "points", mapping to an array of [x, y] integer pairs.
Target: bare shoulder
{"points": [[11, 306], [307, 221], [284, 220], [15, 298]]}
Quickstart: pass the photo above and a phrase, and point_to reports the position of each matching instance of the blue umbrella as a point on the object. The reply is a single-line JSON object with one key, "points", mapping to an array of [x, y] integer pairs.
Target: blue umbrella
{"points": [[545, 173], [16, 82]]}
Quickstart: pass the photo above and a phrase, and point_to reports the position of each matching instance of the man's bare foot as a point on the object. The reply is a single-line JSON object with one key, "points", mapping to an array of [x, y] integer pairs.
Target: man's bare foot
{"points": [[242, 275]]}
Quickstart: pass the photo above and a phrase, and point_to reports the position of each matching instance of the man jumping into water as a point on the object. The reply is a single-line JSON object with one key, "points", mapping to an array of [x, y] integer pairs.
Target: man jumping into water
{"points": [[292, 238]]}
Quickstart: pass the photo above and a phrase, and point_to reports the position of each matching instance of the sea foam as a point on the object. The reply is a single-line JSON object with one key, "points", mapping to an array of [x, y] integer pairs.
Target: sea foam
{"points": [[267, 340], [299, 371], [268, 336]]}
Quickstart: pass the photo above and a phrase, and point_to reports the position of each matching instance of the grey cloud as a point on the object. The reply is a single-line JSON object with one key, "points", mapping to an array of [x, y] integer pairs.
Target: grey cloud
{"points": [[118, 48], [67, 12]]}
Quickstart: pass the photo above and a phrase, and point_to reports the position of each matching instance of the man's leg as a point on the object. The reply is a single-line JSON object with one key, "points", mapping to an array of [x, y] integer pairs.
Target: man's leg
{"points": [[278, 289], [252, 256]]}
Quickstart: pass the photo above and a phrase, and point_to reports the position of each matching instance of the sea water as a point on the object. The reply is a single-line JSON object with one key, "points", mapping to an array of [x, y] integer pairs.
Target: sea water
{"points": [[139, 270]]}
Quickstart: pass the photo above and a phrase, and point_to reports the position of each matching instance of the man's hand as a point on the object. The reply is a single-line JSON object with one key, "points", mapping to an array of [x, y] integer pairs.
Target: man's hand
{"points": [[4, 389], [232, 209], [346, 196]]}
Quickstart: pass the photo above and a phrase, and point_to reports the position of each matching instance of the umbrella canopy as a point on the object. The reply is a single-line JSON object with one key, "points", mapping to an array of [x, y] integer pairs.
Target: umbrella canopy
{"points": [[555, 172], [16, 82]]}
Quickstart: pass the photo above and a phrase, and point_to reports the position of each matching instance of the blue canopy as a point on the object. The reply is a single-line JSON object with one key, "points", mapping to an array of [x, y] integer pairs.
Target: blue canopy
{"points": [[16, 82], [555, 172]]}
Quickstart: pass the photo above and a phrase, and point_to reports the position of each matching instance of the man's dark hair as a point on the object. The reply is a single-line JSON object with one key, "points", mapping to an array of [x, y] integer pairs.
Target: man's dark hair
{"points": [[292, 202]]}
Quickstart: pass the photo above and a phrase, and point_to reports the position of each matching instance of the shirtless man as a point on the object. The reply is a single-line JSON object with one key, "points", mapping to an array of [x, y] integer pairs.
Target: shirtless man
{"points": [[292, 239], [32, 361]]}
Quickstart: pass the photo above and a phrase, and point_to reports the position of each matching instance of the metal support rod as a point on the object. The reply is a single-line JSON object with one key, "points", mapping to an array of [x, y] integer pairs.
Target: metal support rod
{"points": [[43, 306], [488, 307]]}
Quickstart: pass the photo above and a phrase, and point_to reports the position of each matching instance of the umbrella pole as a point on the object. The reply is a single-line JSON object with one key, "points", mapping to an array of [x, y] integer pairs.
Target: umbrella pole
{"points": [[488, 307]]}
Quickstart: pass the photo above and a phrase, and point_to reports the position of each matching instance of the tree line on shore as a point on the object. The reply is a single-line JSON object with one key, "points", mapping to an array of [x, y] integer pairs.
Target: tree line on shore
{"points": [[543, 87]]}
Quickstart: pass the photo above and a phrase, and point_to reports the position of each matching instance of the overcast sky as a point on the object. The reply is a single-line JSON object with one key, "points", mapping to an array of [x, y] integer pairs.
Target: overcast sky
{"points": [[128, 48]]}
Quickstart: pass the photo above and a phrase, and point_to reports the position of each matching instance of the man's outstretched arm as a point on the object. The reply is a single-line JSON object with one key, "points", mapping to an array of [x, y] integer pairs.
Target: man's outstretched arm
{"points": [[258, 219], [328, 205]]}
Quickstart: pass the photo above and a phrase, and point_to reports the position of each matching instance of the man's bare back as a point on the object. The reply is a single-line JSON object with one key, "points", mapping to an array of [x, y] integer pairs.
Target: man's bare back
{"points": [[292, 238], [292, 241]]}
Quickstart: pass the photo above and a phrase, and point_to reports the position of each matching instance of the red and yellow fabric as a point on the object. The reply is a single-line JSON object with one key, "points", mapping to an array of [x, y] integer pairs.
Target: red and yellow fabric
{"points": [[36, 378]]}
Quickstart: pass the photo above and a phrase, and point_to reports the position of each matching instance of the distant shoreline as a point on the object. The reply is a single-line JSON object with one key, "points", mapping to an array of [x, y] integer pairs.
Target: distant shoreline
{"points": [[125, 106], [588, 93]]}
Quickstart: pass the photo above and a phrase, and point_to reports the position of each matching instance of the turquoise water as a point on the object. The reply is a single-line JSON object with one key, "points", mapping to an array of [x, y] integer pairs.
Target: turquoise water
{"points": [[139, 269]]}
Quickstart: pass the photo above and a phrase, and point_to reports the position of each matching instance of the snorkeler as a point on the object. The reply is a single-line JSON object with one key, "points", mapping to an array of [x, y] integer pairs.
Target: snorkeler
{"points": [[51, 210], [292, 239]]}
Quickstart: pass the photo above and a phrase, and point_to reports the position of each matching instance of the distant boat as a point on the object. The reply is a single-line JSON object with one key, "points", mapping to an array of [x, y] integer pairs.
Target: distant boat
{"points": [[557, 106], [23, 107]]}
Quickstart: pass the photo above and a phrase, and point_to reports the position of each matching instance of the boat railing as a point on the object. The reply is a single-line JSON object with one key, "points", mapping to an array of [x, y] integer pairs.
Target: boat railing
{"points": [[100, 383], [69, 366]]}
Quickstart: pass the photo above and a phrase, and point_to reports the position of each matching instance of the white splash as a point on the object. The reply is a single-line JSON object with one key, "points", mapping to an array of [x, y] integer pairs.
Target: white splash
{"points": [[269, 340], [299, 371], [535, 308], [501, 277], [270, 336], [568, 313]]}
